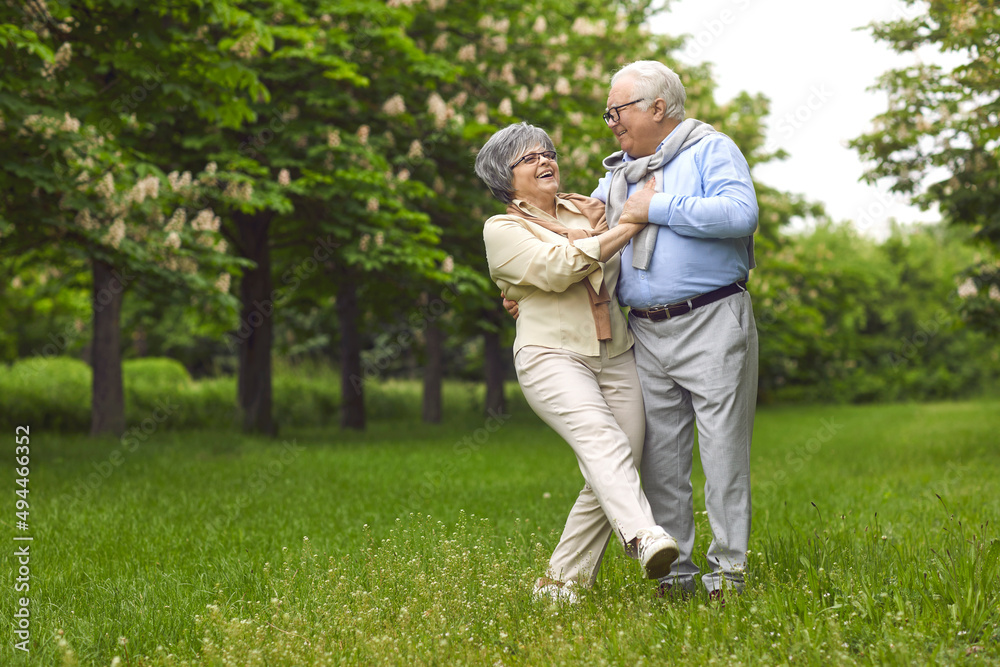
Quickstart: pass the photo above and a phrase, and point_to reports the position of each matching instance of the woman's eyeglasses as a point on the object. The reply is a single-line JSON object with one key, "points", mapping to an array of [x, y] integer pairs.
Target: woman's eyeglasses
{"points": [[532, 158]]}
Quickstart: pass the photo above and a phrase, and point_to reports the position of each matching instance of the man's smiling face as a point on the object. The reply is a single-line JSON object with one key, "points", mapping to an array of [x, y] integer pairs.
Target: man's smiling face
{"points": [[636, 131]]}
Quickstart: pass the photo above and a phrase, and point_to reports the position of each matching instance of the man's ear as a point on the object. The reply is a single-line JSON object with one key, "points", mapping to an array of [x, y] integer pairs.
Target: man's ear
{"points": [[659, 109]]}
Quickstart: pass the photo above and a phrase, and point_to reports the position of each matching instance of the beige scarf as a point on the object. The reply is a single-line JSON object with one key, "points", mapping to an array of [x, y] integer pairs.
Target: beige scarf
{"points": [[594, 209]]}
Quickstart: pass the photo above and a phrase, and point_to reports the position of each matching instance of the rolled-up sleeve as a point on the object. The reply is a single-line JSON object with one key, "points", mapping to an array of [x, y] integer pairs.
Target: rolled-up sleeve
{"points": [[518, 257]]}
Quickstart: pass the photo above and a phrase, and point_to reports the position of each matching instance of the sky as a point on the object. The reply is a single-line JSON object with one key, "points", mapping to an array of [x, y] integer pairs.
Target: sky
{"points": [[815, 67]]}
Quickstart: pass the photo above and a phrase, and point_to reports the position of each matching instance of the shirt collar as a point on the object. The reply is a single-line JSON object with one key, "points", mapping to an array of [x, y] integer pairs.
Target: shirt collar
{"points": [[531, 209]]}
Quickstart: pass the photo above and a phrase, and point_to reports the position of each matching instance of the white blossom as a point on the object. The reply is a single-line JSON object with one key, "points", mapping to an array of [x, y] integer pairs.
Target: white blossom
{"points": [[284, 178], [223, 282], [116, 233], [394, 106], [467, 53], [967, 289]]}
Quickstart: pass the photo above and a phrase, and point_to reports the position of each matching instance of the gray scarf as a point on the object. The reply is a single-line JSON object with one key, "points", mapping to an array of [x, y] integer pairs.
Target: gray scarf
{"points": [[684, 136]]}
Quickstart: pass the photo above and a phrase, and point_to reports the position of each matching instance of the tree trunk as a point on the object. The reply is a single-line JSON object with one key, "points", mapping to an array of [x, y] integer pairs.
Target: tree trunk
{"points": [[107, 407], [433, 373], [352, 397], [255, 333], [493, 361]]}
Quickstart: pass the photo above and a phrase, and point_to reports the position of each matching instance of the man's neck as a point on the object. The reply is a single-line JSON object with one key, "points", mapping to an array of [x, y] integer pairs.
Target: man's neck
{"points": [[667, 127]]}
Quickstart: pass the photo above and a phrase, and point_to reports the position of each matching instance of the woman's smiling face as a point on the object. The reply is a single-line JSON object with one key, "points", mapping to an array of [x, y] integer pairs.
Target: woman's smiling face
{"points": [[536, 179]]}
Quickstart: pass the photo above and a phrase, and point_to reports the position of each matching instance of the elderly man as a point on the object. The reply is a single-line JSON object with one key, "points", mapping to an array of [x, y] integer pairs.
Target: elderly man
{"points": [[684, 278]]}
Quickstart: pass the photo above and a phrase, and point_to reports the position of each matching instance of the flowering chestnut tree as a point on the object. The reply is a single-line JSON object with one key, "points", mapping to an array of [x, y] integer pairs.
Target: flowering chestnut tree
{"points": [[76, 181], [939, 140]]}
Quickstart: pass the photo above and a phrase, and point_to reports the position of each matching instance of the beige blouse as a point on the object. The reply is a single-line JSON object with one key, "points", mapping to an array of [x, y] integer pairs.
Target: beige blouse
{"points": [[542, 271]]}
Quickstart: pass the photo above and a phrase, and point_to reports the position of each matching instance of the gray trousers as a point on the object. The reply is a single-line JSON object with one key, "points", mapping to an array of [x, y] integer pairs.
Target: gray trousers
{"points": [[700, 368], [595, 404]]}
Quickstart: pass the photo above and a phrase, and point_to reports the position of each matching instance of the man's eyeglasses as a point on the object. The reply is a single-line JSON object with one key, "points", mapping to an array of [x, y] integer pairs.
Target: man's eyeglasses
{"points": [[532, 158], [614, 113]]}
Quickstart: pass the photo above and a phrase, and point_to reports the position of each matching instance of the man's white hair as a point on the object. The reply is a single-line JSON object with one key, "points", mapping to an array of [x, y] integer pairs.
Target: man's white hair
{"points": [[654, 79]]}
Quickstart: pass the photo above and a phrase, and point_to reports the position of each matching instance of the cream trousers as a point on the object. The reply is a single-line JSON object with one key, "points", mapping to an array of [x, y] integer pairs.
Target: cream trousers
{"points": [[595, 404]]}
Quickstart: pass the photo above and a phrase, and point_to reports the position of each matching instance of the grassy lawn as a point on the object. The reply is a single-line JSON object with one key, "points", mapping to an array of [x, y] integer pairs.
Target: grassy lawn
{"points": [[874, 542]]}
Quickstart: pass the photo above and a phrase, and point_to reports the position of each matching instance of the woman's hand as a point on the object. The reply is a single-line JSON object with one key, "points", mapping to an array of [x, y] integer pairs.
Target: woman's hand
{"points": [[636, 209], [509, 306]]}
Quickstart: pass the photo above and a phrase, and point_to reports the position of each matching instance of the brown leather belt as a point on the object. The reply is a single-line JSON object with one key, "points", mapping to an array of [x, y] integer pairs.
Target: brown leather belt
{"points": [[660, 313]]}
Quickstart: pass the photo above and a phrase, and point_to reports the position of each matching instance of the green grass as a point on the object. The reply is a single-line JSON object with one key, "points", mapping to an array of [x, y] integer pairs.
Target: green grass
{"points": [[874, 542]]}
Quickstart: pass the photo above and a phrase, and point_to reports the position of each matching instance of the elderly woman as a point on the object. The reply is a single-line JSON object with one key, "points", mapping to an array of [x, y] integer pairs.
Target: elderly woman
{"points": [[554, 255]]}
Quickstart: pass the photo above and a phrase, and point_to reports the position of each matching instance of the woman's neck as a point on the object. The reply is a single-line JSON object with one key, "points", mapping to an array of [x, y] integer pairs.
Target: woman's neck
{"points": [[549, 205]]}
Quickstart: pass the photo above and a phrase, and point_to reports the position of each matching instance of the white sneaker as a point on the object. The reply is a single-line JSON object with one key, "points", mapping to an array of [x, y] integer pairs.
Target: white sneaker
{"points": [[555, 591], [657, 551]]}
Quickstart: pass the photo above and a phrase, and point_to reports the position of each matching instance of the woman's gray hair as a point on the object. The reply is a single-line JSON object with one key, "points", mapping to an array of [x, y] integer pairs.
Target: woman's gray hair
{"points": [[654, 79], [503, 148]]}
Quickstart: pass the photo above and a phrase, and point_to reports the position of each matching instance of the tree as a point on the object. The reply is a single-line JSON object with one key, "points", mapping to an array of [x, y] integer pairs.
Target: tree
{"points": [[939, 139], [76, 125]]}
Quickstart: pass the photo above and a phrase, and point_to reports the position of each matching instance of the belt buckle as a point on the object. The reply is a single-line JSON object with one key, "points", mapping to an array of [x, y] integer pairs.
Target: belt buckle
{"points": [[656, 310]]}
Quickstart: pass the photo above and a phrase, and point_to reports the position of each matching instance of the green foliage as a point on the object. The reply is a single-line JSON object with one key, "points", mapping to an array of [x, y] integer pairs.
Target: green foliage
{"points": [[842, 318], [942, 124], [54, 394], [50, 394]]}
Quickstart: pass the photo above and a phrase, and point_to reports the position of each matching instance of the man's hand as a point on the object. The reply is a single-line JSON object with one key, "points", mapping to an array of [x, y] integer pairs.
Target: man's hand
{"points": [[636, 209], [510, 306]]}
